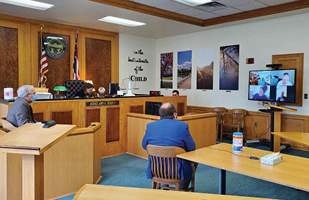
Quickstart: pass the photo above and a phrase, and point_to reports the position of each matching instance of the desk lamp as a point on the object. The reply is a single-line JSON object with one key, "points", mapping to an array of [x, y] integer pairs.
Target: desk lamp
{"points": [[59, 89]]}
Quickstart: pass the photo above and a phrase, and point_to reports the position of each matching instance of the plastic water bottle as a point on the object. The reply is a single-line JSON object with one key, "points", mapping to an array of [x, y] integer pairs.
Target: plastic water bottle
{"points": [[237, 141]]}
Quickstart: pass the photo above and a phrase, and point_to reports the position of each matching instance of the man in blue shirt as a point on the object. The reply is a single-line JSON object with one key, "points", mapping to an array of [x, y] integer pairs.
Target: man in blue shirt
{"points": [[170, 132]]}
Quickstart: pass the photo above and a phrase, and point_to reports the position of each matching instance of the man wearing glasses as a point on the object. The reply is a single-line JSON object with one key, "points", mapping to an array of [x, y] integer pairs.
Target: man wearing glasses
{"points": [[21, 112]]}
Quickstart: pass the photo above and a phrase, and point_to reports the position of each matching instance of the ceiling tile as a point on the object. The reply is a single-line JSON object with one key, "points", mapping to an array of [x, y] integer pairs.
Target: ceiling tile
{"points": [[250, 6], [190, 12], [274, 2], [227, 11], [207, 16], [173, 6], [152, 2], [234, 2]]}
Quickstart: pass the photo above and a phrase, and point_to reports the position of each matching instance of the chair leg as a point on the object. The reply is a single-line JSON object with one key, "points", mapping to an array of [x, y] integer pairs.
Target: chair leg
{"points": [[221, 133], [177, 186], [217, 131], [154, 185], [192, 183]]}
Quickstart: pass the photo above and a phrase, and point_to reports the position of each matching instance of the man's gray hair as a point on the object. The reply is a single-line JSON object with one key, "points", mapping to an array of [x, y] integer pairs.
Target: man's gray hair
{"points": [[167, 111], [24, 90]]}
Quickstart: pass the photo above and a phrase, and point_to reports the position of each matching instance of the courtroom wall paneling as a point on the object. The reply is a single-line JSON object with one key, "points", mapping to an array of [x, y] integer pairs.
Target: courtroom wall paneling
{"points": [[262, 131], [92, 115], [136, 131], [180, 109], [69, 108], [58, 69], [68, 165], [137, 109], [112, 124], [98, 62], [29, 48], [38, 116], [289, 123], [4, 108], [203, 131], [8, 59], [97, 155], [14, 176], [294, 123], [23, 46], [64, 117], [100, 54], [293, 61]]}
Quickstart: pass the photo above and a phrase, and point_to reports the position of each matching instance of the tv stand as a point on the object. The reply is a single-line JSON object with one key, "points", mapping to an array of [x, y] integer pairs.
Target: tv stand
{"points": [[275, 112]]}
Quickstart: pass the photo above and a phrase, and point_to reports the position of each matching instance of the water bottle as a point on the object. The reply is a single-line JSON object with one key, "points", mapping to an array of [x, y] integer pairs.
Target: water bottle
{"points": [[237, 141]]}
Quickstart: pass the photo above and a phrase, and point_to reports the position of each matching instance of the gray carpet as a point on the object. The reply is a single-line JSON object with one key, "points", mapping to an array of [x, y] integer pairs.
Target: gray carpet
{"points": [[128, 170]]}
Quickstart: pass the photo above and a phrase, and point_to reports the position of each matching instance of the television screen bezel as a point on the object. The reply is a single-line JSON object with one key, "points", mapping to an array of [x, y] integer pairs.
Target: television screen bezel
{"points": [[276, 100]]}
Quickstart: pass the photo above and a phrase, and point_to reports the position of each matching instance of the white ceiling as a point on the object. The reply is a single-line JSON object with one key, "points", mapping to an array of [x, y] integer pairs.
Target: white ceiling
{"points": [[86, 13]]}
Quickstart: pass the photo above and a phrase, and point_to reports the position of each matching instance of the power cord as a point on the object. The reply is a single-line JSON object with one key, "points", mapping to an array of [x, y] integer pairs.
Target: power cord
{"points": [[250, 157], [262, 133]]}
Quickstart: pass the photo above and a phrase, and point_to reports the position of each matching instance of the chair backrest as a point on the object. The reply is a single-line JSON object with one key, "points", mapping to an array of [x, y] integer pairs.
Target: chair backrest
{"points": [[163, 161], [73, 86], [8, 126], [238, 116], [219, 111]]}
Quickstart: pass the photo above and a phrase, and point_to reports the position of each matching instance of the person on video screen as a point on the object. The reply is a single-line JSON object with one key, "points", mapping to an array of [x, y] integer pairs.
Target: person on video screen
{"points": [[285, 80], [261, 95], [282, 97]]}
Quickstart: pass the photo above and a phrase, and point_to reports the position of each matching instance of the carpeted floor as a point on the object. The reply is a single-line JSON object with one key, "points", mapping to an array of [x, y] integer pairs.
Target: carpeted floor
{"points": [[128, 170]]}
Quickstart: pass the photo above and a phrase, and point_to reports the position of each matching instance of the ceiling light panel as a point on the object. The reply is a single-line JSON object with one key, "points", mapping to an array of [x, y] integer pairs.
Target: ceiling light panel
{"points": [[193, 2], [120, 21], [28, 4]]}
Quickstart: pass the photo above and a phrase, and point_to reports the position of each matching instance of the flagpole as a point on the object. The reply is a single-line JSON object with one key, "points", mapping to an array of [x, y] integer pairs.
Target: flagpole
{"points": [[41, 36]]}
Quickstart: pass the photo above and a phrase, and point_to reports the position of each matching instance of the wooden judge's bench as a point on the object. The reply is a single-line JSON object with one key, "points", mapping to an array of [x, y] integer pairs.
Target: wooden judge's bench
{"points": [[110, 112]]}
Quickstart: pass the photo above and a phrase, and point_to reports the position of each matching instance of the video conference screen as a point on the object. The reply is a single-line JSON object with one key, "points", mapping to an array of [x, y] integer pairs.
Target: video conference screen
{"points": [[272, 85]]}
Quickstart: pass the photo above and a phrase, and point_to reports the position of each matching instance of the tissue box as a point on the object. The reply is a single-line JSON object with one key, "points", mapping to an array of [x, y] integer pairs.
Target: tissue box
{"points": [[271, 159]]}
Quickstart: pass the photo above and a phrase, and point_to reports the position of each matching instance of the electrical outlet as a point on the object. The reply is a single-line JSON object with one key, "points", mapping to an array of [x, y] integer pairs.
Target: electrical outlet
{"points": [[255, 124]]}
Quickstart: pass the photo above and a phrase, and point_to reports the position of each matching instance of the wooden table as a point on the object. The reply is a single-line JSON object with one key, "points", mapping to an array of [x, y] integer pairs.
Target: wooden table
{"points": [[96, 192], [298, 137], [292, 172], [30, 140]]}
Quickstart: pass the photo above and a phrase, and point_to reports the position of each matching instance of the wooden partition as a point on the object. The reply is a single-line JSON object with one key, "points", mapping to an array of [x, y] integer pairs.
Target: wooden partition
{"points": [[21, 43], [289, 123], [70, 164], [110, 112], [202, 127]]}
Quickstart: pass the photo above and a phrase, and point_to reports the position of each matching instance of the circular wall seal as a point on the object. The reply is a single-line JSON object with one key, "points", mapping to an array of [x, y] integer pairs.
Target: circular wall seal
{"points": [[55, 46]]}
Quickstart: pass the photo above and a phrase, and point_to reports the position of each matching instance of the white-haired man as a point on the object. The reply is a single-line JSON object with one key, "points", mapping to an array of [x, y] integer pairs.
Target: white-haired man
{"points": [[21, 112]]}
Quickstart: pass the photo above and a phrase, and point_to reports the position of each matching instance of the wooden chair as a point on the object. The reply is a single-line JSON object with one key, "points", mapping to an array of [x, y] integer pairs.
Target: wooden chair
{"points": [[219, 112], [7, 126], [164, 168], [234, 119]]}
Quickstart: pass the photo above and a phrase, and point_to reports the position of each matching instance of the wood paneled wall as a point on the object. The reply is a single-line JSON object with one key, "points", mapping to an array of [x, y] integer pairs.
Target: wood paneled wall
{"points": [[58, 69], [98, 61], [289, 123], [20, 58], [8, 58]]}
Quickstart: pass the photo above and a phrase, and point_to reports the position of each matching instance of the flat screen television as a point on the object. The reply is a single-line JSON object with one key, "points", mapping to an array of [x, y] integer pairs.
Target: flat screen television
{"points": [[272, 85]]}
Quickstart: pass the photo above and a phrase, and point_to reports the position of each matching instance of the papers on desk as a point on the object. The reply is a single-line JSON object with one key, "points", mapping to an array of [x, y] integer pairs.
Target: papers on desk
{"points": [[272, 159]]}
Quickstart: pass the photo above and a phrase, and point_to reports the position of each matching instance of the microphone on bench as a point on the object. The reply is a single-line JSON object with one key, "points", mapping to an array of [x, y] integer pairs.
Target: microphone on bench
{"points": [[49, 124]]}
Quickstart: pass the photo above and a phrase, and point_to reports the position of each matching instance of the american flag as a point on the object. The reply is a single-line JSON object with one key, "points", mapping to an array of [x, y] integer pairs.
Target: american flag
{"points": [[44, 68], [76, 75]]}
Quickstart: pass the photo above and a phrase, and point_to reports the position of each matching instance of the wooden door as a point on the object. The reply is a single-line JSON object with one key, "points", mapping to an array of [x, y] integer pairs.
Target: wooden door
{"points": [[293, 61]]}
